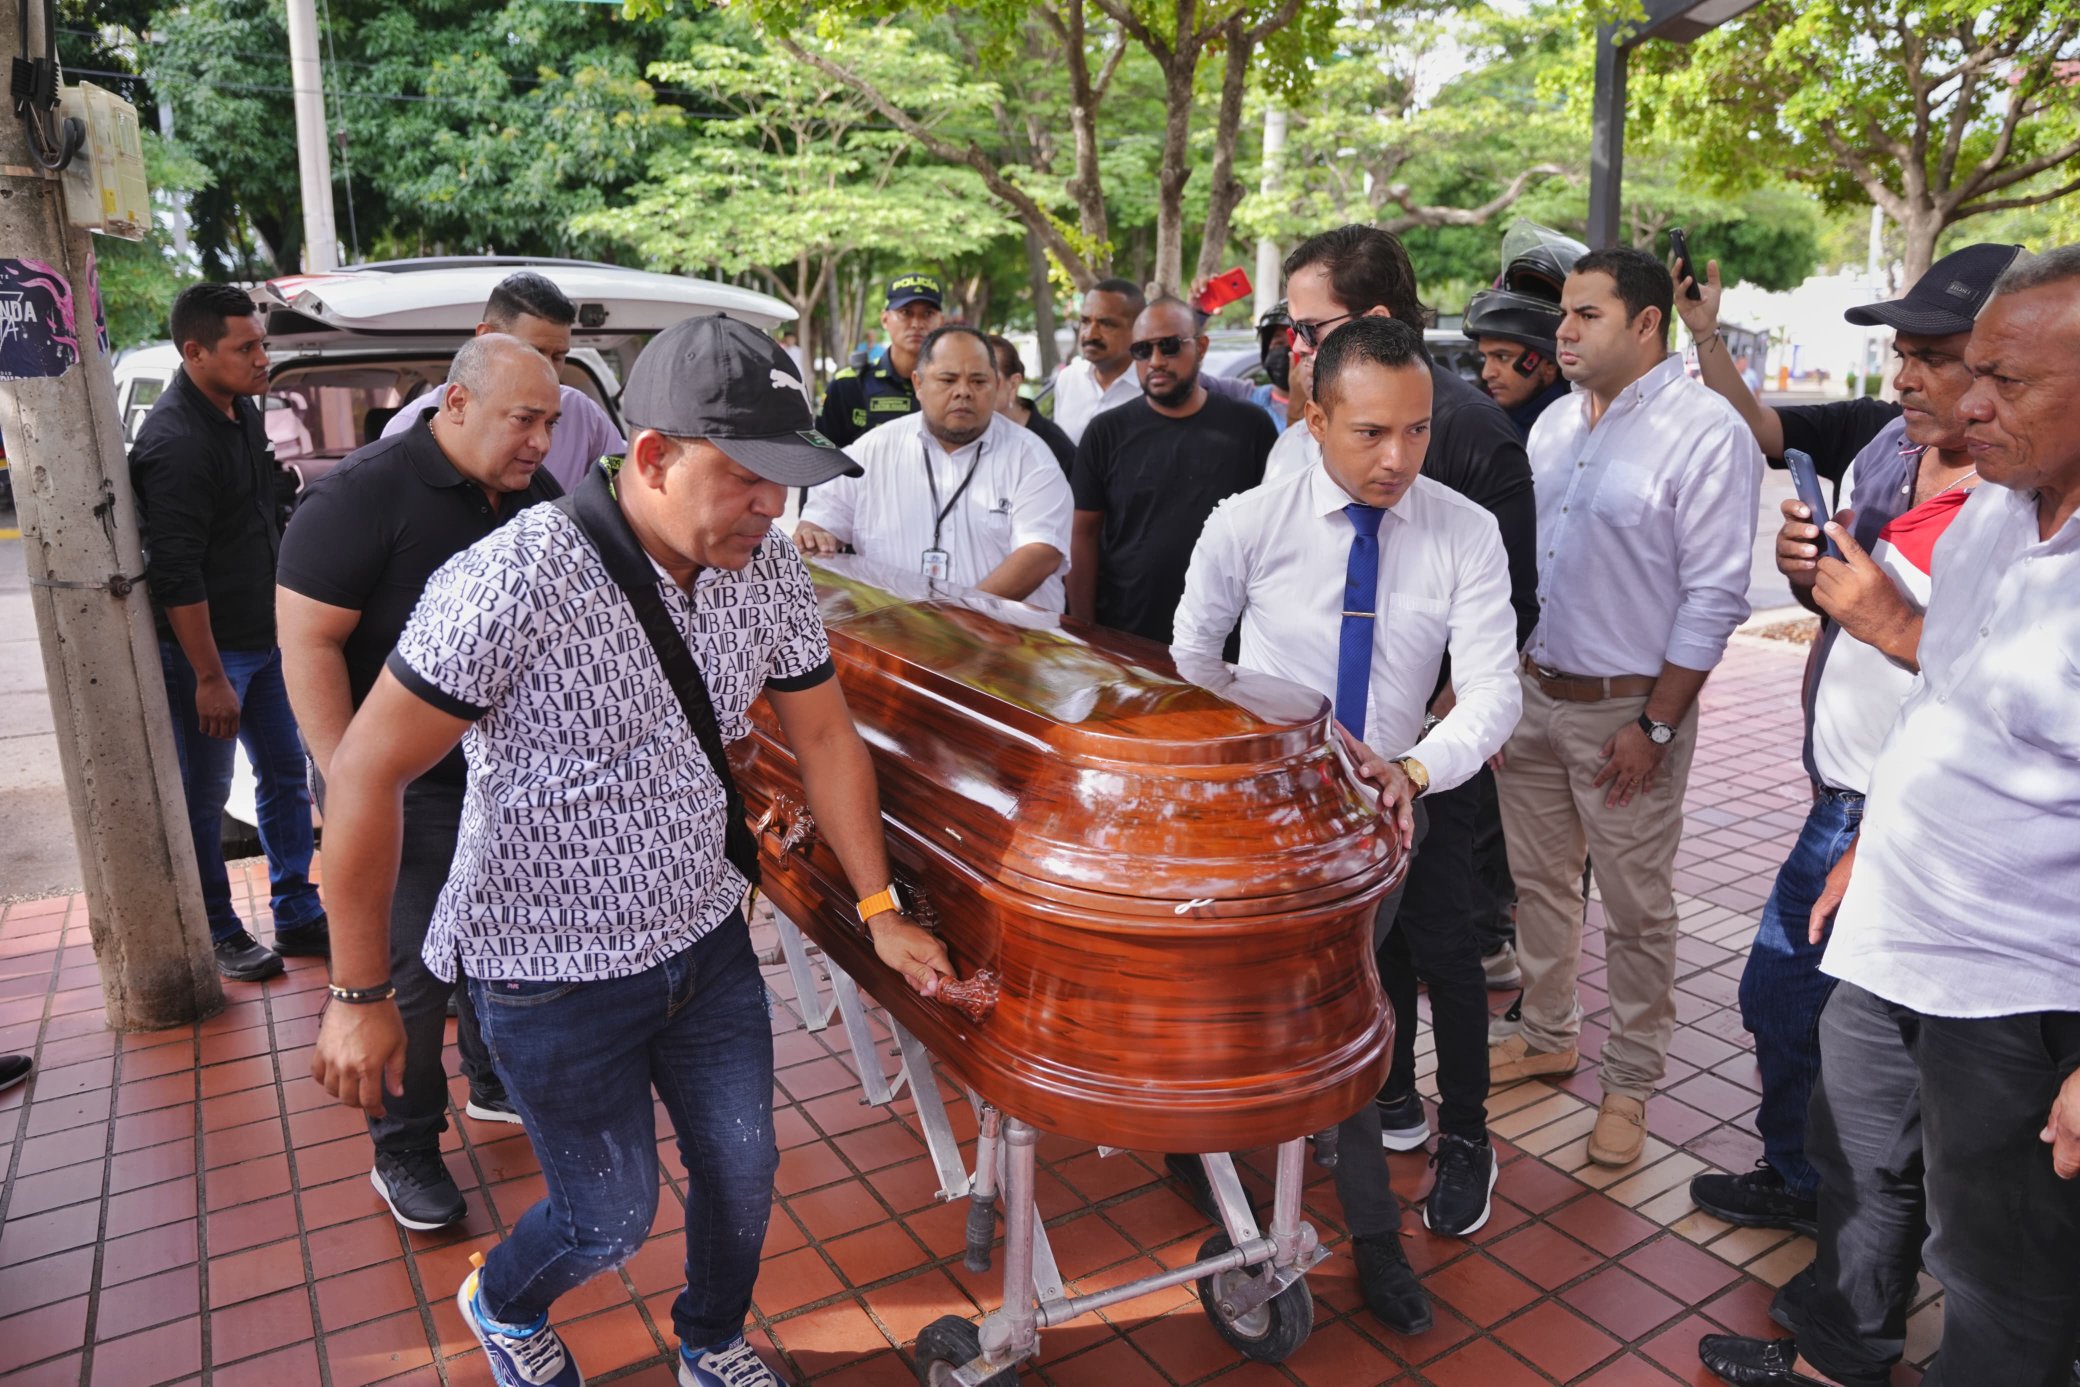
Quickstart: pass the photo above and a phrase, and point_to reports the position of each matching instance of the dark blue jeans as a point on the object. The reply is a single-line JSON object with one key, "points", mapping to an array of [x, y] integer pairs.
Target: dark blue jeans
{"points": [[579, 1060], [1783, 989], [267, 730]]}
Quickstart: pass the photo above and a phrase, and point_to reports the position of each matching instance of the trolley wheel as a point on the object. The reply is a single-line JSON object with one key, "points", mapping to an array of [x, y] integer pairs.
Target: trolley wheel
{"points": [[1272, 1332], [951, 1343]]}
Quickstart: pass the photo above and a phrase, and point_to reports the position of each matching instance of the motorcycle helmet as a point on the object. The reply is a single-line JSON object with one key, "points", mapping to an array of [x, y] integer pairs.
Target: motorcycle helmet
{"points": [[1275, 345], [1524, 304]]}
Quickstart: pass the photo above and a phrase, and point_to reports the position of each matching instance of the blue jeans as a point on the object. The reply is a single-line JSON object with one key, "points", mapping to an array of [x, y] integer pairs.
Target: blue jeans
{"points": [[579, 1060], [1783, 989], [267, 730]]}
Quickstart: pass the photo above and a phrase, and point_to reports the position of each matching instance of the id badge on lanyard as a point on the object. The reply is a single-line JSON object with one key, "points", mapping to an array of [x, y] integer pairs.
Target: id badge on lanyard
{"points": [[935, 564]]}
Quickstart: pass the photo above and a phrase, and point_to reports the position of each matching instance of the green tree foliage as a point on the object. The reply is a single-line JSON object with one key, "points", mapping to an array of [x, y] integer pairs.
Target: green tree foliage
{"points": [[140, 278]]}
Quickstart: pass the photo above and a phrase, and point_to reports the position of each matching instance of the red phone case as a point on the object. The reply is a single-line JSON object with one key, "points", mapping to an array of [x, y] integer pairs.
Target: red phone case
{"points": [[1223, 289]]}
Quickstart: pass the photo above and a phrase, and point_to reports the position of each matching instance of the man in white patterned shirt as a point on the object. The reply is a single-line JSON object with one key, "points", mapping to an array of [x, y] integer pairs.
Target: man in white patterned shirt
{"points": [[594, 905], [1646, 488]]}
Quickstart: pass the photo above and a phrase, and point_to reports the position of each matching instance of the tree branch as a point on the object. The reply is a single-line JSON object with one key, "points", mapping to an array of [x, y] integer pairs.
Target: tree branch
{"points": [[2016, 204], [1131, 25], [2009, 177], [1414, 216]]}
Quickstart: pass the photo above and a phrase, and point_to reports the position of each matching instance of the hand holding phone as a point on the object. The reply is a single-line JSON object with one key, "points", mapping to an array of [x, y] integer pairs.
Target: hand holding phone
{"points": [[1685, 266], [1223, 289], [1806, 479]]}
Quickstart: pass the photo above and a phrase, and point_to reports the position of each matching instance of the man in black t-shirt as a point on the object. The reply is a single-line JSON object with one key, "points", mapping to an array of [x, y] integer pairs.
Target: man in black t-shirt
{"points": [[1148, 473], [1011, 374], [357, 555]]}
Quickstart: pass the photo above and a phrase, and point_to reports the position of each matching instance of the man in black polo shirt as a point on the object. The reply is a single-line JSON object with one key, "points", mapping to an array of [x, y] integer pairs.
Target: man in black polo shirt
{"points": [[206, 483], [354, 562], [1148, 473], [1013, 405]]}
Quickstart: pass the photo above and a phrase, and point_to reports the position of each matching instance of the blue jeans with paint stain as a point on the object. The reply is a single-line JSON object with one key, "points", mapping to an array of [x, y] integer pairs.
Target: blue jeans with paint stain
{"points": [[579, 1060], [1783, 990]]}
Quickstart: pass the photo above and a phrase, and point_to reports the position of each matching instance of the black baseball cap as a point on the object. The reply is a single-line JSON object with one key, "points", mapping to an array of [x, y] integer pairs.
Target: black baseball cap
{"points": [[725, 381], [1947, 299], [915, 288]]}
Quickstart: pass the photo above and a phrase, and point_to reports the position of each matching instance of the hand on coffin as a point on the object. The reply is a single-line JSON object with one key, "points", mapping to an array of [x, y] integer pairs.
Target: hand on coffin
{"points": [[1397, 793], [911, 950], [814, 540], [360, 1054]]}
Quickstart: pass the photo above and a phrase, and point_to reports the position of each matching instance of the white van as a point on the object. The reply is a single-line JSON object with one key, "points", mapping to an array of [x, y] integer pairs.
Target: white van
{"points": [[347, 349]]}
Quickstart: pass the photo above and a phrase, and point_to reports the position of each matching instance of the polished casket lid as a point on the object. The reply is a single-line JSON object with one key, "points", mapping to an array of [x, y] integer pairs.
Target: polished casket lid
{"points": [[1082, 765]]}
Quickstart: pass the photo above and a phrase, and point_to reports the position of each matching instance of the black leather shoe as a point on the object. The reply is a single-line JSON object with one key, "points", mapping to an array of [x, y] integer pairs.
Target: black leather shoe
{"points": [[1748, 1362], [307, 941], [1389, 1284], [1757, 1199], [243, 958], [14, 1069], [416, 1185]]}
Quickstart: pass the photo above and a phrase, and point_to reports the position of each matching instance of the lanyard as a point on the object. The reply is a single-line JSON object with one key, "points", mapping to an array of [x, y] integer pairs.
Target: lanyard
{"points": [[932, 481]]}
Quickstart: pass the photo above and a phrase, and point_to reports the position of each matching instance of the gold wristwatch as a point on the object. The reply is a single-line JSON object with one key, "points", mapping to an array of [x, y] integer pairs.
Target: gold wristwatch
{"points": [[887, 898], [1418, 774]]}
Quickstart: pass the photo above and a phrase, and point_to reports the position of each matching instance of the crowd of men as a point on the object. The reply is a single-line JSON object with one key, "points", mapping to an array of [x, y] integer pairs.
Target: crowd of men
{"points": [[489, 639]]}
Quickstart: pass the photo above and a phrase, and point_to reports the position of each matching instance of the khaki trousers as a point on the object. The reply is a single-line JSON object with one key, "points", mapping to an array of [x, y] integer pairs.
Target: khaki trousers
{"points": [[1553, 821]]}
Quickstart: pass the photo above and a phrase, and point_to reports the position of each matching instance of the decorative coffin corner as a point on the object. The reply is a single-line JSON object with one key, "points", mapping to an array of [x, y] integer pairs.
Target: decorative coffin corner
{"points": [[1169, 876]]}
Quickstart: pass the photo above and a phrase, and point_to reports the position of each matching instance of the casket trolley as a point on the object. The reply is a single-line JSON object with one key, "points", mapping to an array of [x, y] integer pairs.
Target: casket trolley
{"points": [[1158, 888]]}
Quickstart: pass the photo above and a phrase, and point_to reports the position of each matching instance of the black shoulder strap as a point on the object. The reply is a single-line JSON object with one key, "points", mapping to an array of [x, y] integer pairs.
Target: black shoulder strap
{"points": [[740, 845]]}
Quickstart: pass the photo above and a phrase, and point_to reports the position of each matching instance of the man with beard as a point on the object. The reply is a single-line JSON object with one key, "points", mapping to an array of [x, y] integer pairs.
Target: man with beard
{"points": [[866, 397], [956, 492], [1099, 379], [1148, 473]]}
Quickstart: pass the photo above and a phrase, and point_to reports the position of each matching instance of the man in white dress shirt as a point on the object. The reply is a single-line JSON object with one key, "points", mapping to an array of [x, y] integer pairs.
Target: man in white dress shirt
{"points": [[1646, 485], [1103, 375], [1356, 578], [956, 491]]}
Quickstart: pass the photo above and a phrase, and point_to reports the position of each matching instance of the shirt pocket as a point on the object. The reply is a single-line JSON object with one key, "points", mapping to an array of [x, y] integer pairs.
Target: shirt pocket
{"points": [[1419, 618], [2034, 691], [1623, 494]]}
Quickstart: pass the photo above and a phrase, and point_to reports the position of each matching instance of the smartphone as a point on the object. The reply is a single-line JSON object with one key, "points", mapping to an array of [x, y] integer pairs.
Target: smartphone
{"points": [[1222, 290], [1680, 244], [1807, 480]]}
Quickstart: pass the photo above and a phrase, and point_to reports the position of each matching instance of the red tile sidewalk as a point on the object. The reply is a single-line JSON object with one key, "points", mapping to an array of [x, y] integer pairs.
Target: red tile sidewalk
{"points": [[189, 1207]]}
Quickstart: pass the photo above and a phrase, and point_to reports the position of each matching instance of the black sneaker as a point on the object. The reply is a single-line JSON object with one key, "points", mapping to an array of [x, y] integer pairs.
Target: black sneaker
{"points": [[1461, 1196], [14, 1069], [242, 958], [491, 1105], [1746, 1362], [1389, 1284], [306, 941], [1757, 1199], [417, 1187], [1403, 1125]]}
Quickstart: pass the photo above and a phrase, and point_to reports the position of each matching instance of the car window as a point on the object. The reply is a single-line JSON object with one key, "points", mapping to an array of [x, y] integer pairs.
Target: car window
{"points": [[137, 403]]}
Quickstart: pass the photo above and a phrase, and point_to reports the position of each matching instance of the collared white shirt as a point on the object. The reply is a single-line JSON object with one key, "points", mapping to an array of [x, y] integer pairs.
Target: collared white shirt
{"points": [[1968, 865], [1018, 497], [1077, 395], [1646, 527], [1294, 453], [1276, 557]]}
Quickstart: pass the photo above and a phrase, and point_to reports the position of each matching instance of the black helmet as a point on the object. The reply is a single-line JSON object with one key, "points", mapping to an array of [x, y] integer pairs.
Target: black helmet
{"points": [[1524, 305], [1274, 344]]}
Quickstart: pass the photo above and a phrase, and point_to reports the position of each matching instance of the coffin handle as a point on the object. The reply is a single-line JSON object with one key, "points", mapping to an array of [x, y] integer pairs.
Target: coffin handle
{"points": [[975, 998], [793, 822]]}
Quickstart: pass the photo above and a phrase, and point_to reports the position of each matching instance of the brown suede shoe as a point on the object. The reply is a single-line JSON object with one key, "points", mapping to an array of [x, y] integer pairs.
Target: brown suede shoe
{"points": [[1621, 1131], [1512, 1058]]}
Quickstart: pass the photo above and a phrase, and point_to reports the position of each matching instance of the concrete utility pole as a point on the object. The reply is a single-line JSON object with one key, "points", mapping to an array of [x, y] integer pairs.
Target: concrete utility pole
{"points": [[100, 656], [313, 151], [1269, 258]]}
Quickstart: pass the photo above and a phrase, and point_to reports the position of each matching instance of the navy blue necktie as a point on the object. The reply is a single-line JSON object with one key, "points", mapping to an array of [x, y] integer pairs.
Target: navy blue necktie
{"points": [[1360, 595]]}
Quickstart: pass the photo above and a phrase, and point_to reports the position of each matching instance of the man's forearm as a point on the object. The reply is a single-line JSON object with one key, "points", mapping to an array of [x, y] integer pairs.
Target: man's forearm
{"points": [[364, 836], [1675, 690], [191, 631], [838, 782], [320, 695], [1715, 366], [1025, 569], [1082, 581]]}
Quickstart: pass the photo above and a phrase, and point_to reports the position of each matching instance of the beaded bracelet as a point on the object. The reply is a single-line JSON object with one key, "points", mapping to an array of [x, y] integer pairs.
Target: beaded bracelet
{"points": [[361, 996]]}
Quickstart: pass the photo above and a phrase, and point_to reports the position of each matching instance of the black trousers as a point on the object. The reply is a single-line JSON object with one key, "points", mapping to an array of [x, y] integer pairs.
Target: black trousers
{"points": [[1434, 939], [1363, 1184], [1493, 890], [415, 1121]]}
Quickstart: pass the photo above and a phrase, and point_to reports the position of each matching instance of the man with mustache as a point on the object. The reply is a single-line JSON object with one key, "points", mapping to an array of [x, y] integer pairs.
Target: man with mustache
{"points": [[956, 492], [1148, 473], [1099, 378]]}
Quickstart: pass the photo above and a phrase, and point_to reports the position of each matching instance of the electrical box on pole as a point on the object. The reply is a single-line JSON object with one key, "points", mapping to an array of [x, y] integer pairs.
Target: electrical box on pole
{"points": [[105, 187]]}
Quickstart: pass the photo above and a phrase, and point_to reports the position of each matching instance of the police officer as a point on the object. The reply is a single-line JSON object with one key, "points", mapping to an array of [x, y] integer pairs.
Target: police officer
{"points": [[869, 394], [1513, 323]]}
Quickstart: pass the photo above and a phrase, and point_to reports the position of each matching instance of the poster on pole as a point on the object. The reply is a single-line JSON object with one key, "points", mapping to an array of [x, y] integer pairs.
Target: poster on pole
{"points": [[39, 337]]}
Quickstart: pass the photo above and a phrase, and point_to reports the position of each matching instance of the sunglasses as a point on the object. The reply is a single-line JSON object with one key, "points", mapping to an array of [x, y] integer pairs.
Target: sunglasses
{"points": [[1312, 333], [1168, 346]]}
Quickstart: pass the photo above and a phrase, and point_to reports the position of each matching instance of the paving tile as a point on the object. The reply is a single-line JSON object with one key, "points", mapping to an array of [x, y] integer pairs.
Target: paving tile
{"points": [[370, 1293], [377, 1350], [168, 1353], [124, 1260], [1557, 1341], [28, 1285], [28, 1237], [254, 1327], [1545, 1256], [148, 1301], [258, 1271], [45, 1332], [1621, 1303], [873, 1254], [793, 1280], [904, 1307], [1480, 1289]]}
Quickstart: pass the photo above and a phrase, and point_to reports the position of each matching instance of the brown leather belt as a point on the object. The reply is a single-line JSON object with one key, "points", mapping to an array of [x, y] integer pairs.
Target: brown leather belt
{"points": [[1583, 688]]}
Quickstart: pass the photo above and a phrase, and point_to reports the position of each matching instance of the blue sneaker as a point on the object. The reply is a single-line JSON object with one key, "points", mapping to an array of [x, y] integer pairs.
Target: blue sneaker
{"points": [[520, 1355], [733, 1364]]}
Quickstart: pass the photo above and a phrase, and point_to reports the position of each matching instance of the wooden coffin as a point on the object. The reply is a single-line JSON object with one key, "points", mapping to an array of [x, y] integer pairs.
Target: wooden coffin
{"points": [[1172, 882]]}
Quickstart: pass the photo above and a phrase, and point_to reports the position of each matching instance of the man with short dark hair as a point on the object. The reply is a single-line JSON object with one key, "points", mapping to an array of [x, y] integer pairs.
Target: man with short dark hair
{"points": [[1356, 579], [1646, 521], [1149, 472], [1512, 323], [1013, 405], [206, 482], [956, 492], [530, 307], [1101, 376], [882, 388], [358, 553]]}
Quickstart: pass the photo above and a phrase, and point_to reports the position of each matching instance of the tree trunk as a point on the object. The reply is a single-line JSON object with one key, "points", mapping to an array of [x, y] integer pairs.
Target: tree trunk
{"points": [[1086, 187], [1919, 233], [1176, 171], [1227, 191], [1042, 286]]}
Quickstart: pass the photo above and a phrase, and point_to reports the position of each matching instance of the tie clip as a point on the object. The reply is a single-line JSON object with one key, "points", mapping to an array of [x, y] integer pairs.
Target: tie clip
{"points": [[1347, 612]]}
